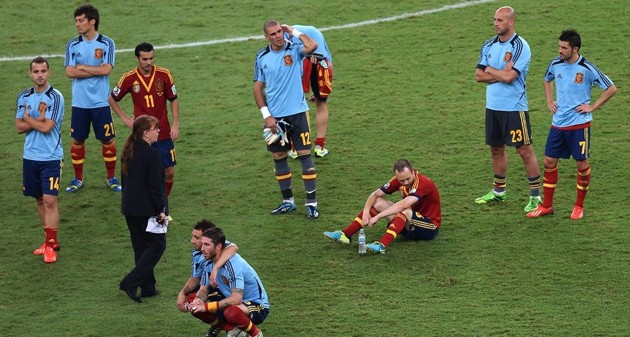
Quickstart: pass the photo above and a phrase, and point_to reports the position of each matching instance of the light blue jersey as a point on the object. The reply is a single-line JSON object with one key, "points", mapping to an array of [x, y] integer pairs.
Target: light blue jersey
{"points": [[40, 146], [199, 262], [90, 92], [238, 274], [573, 88], [281, 71], [496, 54], [315, 34]]}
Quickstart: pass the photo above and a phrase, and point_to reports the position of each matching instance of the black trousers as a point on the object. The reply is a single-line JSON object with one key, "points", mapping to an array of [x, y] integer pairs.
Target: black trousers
{"points": [[148, 249]]}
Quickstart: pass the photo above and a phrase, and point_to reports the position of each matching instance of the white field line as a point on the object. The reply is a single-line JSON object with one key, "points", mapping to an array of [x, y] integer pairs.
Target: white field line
{"points": [[260, 37]]}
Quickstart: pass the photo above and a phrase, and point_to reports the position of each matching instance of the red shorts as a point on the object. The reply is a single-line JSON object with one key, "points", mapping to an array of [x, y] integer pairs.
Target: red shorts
{"points": [[319, 76]]}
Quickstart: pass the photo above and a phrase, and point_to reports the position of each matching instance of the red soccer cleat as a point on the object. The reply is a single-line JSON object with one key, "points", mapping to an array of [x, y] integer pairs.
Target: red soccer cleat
{"points": [[578, 212], [540, 211], [50, 256], [40, 250]]}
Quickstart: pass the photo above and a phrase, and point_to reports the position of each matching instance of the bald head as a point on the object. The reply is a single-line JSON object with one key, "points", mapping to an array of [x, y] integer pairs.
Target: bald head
{"points": [[504, 22], [507, 11]]}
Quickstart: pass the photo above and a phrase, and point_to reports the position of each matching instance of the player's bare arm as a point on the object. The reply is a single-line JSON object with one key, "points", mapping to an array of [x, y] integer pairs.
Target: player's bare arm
{"points": [[605, 96], [259, 97], [226, 254], [309, 45], [551, 103], [502, 75], [394, 209], [175, 113], [40, 124], [120, 112], [482, 77]]}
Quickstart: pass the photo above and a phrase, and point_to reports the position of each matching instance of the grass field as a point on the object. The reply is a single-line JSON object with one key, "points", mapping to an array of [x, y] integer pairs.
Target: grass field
{"points": [[403, 89]]}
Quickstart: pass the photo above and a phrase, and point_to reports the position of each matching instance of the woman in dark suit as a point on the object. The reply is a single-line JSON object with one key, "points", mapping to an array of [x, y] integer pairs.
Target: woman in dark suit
{"points": [[143, 197]]}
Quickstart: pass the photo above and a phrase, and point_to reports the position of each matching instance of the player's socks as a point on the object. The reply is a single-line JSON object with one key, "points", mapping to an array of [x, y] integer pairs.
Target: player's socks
{"points": [[309, 176], [234, 315], [550, 179], [78, 156], [51, 237], [583, 181], [357, 224], [320, 141], [169, 186], [283, 176], [499, 183], [109, 156], [534, 186], [394, 228]]}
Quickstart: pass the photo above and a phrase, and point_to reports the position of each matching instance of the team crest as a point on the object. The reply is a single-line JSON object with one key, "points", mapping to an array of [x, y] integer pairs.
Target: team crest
{"points": [[42, 107], [579, 78], [135, 87], [98, 53], [159, 87], [507, 57], [288, 60], [225, 280]]}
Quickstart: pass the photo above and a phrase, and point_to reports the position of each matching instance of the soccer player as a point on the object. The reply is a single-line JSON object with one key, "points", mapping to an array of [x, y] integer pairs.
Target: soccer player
{"points": [[39, 115], [188, 292], [417, 216], [279, 95], [246, 304], [503, 66], [318, 75], [89, 62], [570, 133], [150, 87]]}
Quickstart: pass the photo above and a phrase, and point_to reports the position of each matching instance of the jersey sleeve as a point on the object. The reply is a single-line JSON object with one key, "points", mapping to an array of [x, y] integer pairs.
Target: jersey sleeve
{"points": [[521, 56], [19, 106], [550, 73], [391, 186], [121, 89], [599, 78]]}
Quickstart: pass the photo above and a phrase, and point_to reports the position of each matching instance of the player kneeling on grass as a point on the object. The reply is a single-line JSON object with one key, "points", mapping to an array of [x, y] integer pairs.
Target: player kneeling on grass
{"points": [[189, 291], [417, 216], [246, 304]]}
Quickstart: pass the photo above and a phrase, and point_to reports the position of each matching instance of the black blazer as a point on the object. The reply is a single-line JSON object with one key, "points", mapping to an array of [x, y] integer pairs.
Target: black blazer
{"points": [[143, 192]]}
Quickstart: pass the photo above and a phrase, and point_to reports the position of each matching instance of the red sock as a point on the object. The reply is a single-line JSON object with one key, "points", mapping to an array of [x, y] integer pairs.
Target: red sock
{"points": [[583, 180], [357, 224], [394, 228], [169, 187], [207, 317], [235, 316], [78, 156], [51, 236], [109, 156], [320, 141], [550, 179]]}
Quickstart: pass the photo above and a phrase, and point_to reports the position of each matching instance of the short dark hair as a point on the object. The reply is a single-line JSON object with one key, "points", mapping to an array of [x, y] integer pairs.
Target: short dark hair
{"points": [[401, 164], [571, 36], [145, 47], [39, 60], [270, 23], [91, 13], [203, 225], [215, 235]]}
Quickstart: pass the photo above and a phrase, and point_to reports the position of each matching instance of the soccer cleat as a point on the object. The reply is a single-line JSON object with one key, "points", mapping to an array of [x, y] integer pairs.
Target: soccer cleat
{"points": [[540, 211], [236, 332], [578, 212], [74, 186], [50, 256], [114, 184], [284, 207], [533, 203], [320, 151], [376, 247], [337, 236], [213, 332], [293, 154], [42, 248], [490, 197], [312, 212], [260, 334]]}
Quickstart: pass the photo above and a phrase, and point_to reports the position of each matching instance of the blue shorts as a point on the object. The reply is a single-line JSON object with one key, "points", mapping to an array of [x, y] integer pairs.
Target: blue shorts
{"points": [[41, 177], [257, 312], [167, 150], [99, 118], [299, 133], [566, 143], [420, 228]]}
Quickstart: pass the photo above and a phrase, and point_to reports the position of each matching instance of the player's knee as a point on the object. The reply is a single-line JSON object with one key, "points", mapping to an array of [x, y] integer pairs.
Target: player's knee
{"points": [[232, 313]]}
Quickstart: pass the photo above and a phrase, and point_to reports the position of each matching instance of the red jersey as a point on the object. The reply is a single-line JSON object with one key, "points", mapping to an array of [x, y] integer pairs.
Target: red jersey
{"points": [[423, 188], [149, 95]]}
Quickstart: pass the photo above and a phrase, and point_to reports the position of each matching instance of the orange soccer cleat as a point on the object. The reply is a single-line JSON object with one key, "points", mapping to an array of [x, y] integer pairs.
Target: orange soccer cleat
{"points": [[540, 211], [50, 256], [578, 212], [42, 248]]}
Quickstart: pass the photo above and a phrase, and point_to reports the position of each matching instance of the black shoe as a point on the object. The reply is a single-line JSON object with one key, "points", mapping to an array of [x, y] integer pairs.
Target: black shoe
{"points": [[132, 294], [149, 293]]}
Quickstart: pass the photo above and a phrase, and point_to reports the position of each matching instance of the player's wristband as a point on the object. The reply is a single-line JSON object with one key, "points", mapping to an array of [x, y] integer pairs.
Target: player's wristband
{"points": [[212, 306], [296, 33], [265, 112]]}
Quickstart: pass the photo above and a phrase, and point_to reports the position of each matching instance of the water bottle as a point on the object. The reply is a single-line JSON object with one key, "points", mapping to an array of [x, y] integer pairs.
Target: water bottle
{"points": [[362, 241]]}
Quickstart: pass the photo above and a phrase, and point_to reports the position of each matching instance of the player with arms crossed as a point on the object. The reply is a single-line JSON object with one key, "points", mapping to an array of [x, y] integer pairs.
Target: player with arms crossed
{"points": [[89, 61], [570, 133], [246, 304], [39, 114], [150, 87], [417, 216]]}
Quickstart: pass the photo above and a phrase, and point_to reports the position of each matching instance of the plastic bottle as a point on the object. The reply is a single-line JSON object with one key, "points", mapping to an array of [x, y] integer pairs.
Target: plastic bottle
{"points": [[362, 241]]}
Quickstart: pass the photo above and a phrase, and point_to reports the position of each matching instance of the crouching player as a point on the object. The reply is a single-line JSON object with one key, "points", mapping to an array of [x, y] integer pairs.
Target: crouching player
{"points": [[189, 291], [246, 304]]}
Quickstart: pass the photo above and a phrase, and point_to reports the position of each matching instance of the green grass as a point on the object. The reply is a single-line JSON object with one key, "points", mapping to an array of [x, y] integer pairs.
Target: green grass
{"points": [[402, 89]]}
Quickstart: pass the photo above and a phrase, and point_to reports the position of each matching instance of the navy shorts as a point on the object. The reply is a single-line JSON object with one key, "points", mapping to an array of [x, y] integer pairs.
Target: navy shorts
{"points": [[511, 128], [420, 228], [41, 177], [566, 143], [99, 118], [167, 150], [299, 133]]}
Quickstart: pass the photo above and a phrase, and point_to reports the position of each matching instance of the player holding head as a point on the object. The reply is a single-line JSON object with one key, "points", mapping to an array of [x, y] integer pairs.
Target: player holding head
{"points": [[89, 62], [417, 216], [570, 133], [151, 87], [39, 115]]}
